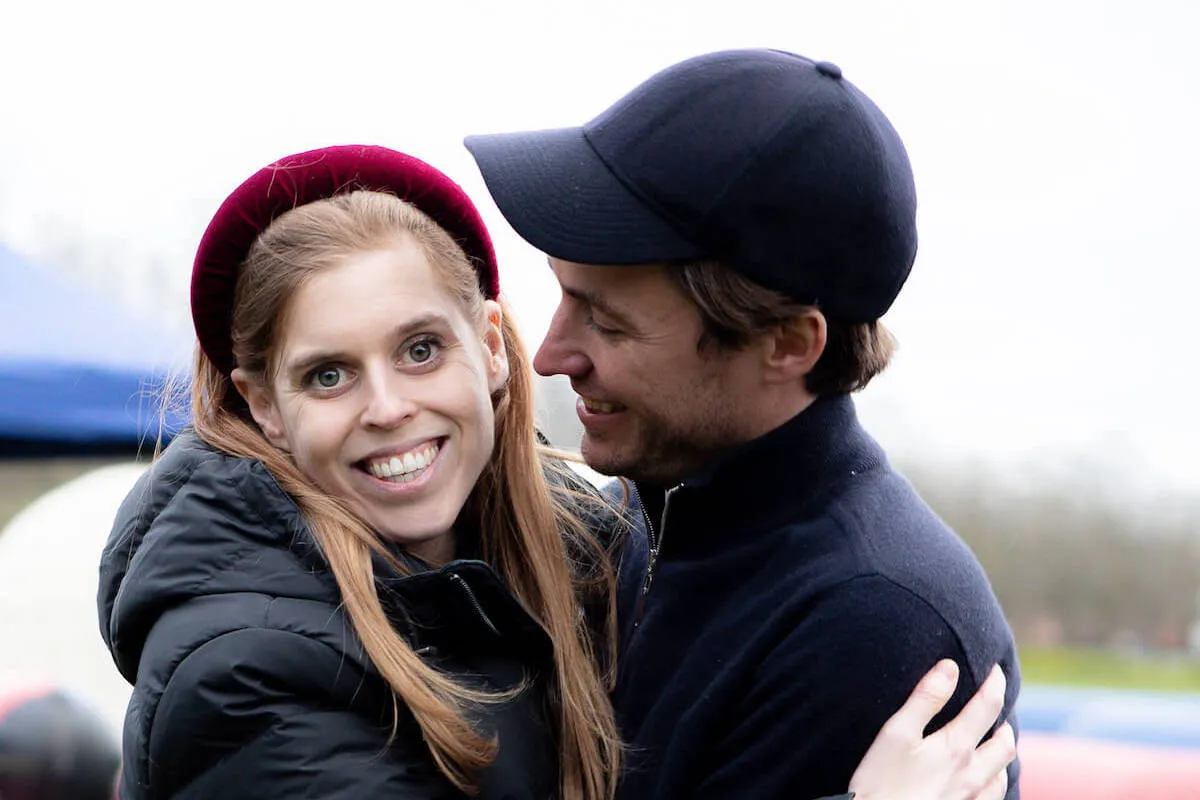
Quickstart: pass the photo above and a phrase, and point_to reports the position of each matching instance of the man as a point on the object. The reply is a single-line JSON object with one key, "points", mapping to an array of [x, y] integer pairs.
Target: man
{"points": [[727, 237]]}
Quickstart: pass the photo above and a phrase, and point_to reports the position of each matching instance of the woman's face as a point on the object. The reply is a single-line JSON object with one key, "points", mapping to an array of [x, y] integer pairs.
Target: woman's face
{"points": [[382, 393]]}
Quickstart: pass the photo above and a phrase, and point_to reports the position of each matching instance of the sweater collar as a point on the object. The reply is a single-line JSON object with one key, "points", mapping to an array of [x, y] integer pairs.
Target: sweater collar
{"points": [[753, 486]]}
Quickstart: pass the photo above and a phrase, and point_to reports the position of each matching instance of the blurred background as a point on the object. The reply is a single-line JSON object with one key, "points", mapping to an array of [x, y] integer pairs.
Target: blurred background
{"points": [[1042, 401]]}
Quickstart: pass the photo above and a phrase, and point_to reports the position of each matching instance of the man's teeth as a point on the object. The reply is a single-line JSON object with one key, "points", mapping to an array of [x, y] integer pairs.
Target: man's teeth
{"points": [[599, 407], [406, 467]]}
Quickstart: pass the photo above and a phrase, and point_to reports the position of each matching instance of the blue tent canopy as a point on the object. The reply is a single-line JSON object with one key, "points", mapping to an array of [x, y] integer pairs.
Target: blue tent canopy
{"points": [[78, 372]]}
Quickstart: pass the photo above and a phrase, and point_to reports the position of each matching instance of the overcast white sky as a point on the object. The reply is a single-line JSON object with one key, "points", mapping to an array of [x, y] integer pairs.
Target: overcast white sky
{"points": [[1048, 321]]}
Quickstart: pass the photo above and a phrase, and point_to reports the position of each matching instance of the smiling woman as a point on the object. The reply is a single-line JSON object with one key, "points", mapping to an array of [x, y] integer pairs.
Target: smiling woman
{"points": [[382, 384], [364, 449]]}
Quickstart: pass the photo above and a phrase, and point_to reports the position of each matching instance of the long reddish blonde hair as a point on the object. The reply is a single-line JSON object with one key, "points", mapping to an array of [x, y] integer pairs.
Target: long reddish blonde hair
{"points": [[530, 526]]}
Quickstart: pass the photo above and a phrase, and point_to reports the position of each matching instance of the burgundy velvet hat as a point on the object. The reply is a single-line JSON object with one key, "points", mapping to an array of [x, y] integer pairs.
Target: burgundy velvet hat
{"points": [[304, 178]]}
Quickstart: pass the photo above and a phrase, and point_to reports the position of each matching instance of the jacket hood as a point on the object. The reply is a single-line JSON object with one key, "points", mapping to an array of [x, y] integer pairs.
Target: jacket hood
{"points": [[200, 522], [217, 605]]}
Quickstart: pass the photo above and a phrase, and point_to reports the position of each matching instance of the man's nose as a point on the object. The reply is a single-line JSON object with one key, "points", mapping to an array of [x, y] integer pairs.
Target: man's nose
{"points": [[560, 352]]}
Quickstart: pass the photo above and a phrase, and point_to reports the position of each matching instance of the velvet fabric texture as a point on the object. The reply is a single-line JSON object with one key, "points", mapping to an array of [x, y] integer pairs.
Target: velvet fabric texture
{"points": [[306, 177]]}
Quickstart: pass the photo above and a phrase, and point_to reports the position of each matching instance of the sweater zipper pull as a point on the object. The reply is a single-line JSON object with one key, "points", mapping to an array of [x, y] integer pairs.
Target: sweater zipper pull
{"points": [[655, 547]]}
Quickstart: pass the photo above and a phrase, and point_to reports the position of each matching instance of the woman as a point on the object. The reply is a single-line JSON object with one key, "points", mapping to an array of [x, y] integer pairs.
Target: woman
{"points": [[360, 575]]}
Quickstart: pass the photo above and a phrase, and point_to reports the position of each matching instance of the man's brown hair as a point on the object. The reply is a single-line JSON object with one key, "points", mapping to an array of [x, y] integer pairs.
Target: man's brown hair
{"points": [[735, 309]]}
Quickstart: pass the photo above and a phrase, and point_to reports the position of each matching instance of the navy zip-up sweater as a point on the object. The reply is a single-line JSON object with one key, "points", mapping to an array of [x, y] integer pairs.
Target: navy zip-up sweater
{"points": [[800, 591]]}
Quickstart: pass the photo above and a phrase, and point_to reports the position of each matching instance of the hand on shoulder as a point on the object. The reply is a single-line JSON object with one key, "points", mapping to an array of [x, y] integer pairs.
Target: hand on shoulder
{"points": [[949, 764]]}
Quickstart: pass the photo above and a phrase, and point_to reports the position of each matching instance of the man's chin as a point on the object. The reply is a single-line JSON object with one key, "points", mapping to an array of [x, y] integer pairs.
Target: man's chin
{"points": [[601, 457]]}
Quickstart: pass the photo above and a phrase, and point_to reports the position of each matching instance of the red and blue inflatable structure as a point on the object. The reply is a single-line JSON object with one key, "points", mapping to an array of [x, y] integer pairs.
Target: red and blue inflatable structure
{"points": [[1106, 744]]}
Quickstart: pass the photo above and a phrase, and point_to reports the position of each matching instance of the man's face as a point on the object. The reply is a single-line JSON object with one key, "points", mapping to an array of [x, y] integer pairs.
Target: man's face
{"points": [[653, 407]]}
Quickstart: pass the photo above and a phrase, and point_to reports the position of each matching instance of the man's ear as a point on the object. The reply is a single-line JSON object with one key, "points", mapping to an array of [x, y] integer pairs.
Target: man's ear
{"points": [[794, 347], [262, 407], [493, 342]]}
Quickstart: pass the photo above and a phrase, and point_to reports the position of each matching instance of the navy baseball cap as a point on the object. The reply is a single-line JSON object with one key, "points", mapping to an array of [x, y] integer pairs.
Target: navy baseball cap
{"points": [[767, 161]]}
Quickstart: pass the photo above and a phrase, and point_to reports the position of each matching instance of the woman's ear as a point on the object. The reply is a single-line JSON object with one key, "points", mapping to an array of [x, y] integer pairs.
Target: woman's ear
{"points": [[493, 343], [262, 407]]}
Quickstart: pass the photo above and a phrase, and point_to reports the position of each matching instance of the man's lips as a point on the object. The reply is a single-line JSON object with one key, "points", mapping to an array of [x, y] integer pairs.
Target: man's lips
{"points": [[600, 406]]}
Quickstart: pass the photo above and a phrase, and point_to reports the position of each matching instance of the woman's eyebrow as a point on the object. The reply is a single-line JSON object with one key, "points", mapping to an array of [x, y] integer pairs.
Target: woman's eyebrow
{"points": [[304, 360]]}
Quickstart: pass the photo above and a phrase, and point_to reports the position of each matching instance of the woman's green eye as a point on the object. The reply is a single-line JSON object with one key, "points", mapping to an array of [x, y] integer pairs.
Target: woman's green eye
{"points": [[421, 352], [328, 378]]}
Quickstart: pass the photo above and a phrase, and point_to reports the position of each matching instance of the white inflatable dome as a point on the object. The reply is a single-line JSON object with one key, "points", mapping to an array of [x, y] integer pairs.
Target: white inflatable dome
{"points": [[49, 560]]}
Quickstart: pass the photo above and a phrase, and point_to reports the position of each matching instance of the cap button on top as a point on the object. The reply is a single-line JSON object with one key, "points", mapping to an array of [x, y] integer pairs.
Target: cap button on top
{"points": [[829, 69]]}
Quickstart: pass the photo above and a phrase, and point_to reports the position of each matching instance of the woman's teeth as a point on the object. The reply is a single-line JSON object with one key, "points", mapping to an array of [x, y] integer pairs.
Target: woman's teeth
{"points": [[405, 467], [598, 407]]}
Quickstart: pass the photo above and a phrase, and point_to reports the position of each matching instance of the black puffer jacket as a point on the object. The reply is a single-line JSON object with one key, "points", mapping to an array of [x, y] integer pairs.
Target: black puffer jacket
{"points": [[249, 681]]}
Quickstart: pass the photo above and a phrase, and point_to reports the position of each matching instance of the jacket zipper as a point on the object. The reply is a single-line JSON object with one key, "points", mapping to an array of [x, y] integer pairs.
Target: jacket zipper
{"points": [[655, 545], [466, 587]]}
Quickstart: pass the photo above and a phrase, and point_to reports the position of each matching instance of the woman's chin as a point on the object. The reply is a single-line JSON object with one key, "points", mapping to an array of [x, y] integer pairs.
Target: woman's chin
{"points": [[431, 543]]}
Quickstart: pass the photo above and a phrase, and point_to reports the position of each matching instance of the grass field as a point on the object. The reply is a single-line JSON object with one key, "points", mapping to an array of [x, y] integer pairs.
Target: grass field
{"points": [[1086, 667]]}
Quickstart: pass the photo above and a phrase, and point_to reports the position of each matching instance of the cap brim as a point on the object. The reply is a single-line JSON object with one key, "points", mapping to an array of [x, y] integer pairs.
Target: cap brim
{"points": [[559, 196]]}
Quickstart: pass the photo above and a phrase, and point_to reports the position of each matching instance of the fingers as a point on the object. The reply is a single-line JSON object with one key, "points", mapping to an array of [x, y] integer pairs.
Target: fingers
{"points": [[996, 788], [966, 730], [931, 695], [997, 752], [988, 765]]}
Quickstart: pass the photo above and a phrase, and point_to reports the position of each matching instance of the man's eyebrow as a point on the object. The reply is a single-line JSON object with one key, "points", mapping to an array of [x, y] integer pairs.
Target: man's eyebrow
{"points": [[601, 304], [306, 360]]}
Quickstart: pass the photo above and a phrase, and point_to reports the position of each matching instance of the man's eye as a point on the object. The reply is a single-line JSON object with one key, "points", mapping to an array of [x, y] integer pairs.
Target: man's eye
{"points": [[601, 329]]}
